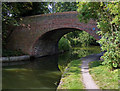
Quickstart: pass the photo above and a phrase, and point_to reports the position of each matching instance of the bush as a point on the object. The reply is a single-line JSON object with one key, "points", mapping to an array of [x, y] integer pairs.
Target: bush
{"points": [[64, 44], [107, 16], [111, 44], [81, 38], [86, 39]]}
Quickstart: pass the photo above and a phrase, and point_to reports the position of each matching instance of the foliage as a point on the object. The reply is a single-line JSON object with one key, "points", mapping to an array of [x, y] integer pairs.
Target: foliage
{"points": [[85, 51], [75, 54], [86, 39], [13, 11], [80, 38], [73, 37], [71, 78], [77, 38], [111, 44], [107, 16], [63, 60], [64, 44], [104, 78], [63, 6]]}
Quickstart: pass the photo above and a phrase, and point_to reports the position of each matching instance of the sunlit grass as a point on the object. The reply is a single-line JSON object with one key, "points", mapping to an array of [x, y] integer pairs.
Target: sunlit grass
{"points": [[104, 78], [71, 78]]}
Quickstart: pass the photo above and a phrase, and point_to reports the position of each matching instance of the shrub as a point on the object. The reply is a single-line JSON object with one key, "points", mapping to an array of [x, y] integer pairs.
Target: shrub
{"points": [[111, 44], [64, 44], [81, 38]]}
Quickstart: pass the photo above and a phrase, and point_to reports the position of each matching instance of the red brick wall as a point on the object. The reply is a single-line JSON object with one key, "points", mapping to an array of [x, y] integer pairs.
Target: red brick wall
{"points": [[32, 28]]}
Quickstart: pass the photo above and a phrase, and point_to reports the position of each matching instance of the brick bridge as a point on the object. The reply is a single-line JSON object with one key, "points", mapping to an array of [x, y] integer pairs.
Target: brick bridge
{"points": [[39, 35]]}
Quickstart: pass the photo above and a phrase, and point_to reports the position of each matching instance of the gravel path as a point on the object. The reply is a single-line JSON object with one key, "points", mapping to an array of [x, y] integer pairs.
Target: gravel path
{"points": [[87, 79]]}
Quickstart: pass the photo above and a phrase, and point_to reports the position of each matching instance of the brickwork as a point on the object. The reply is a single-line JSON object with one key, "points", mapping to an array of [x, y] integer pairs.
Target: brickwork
{"points": [[39, 34]]}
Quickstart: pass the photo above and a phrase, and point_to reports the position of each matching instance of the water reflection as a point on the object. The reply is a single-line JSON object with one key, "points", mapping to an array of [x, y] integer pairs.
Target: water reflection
{"points": [[41, 73]]}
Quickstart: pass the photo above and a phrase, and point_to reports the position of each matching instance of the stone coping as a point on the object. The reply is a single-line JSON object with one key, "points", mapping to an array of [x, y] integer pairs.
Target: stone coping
{"points": [[14, 58]]}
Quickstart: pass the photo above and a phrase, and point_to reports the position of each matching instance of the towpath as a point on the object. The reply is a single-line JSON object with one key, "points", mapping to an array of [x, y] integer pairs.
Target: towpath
{"points": [[87, 79]]}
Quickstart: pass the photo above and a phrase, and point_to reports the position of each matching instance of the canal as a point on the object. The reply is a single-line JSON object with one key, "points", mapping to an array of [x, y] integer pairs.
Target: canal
{"points": [[41, 73]]}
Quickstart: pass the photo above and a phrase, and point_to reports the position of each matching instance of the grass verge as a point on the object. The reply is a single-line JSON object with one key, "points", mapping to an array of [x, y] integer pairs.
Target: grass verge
{"points": [[71, 78], [104, 78]]}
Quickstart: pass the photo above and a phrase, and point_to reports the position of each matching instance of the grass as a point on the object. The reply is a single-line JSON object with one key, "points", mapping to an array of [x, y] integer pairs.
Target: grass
{"points": [[104, 78], [71, 79]]}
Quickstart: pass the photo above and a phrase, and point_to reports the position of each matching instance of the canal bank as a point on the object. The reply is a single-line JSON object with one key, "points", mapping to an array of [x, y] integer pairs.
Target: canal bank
{"points": [[41, 73], [76, 74], [14, 58]]}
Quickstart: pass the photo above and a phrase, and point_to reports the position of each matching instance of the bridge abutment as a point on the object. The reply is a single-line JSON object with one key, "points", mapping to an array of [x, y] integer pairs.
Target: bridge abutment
{"points": [[44, 48]]}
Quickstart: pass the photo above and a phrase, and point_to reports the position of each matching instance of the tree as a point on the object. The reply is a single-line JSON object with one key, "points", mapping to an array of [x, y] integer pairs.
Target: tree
{"points": [[74, 37], [63, 6], [107, 16], [13, 11]]}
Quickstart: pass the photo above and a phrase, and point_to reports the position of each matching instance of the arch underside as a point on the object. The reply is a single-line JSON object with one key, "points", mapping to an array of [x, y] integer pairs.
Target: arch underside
{"points": [[47, 44]]}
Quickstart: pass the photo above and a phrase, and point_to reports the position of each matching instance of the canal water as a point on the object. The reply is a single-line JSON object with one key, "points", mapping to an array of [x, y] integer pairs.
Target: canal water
{"points": [[41, 73]]}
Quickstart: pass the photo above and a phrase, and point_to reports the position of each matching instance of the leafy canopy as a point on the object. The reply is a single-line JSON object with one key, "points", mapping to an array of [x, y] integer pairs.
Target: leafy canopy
{"points": [[107, 15]]}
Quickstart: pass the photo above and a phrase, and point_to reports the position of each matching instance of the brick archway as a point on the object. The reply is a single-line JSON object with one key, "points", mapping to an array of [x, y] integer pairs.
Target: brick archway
{"points": [[34, 30], [47, 44]]}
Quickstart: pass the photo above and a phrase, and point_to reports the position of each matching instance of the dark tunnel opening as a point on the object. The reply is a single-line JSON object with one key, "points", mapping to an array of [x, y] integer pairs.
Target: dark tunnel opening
{"points": [[47, 44]]}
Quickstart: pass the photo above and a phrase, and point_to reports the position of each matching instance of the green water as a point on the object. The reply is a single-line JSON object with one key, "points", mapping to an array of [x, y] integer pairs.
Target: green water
{"points": [[41, 73]]}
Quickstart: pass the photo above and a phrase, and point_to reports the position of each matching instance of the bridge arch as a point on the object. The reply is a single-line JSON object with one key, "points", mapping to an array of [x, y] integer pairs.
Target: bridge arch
{"points": [[39, 35], [47, 44]]}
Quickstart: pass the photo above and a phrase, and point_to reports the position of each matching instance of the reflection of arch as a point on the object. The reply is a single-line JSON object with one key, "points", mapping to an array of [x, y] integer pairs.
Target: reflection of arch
{"points": [[43, 29]]}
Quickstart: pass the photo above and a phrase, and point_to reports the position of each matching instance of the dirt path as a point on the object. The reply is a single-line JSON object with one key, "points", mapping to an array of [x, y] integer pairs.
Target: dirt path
{"points": [[87, 79]]}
